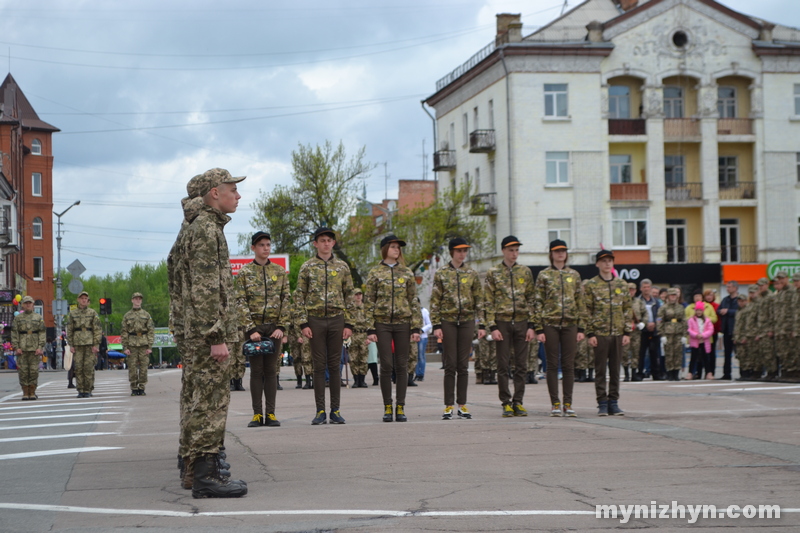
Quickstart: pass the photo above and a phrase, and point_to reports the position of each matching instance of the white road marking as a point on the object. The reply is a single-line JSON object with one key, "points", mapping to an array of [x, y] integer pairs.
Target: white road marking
{"points": [[47, 417], [717, 384], [34, 426], [63, 451], [58, 405], [95, 408], [41, 437], [763, 388]]}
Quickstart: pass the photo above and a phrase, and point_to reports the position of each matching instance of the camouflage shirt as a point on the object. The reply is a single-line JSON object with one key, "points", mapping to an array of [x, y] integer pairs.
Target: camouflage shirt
{"points": [[360, 323], [509, 295], [207, 302], [324, 289], [263, 291], [742, 324], [83, 327], [783, 311], [28, 332], [457, 296], [672, 319], [137, 329], [558, 299], [764, 316], [191, 208], [638, 311], [390, 297], [608, 307]]}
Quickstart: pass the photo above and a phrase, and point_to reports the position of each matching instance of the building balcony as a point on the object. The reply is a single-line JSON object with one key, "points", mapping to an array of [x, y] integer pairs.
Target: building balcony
{"points": [[735, 126], [627, 126], [629, 191], [684, 191], [741, 253], [444, 160], [483, 204], [481, 141], [739, 190], [681, 128], [684, 254]]}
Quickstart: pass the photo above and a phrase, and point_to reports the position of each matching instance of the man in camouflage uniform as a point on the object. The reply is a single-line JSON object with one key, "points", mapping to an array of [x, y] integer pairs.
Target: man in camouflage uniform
{"points": [[608, 329], [477, 357], [533, 361], [509, 315], [765, 323], [740, 340], [84, 332], [324, 307], [28, 336], [784, 311], [238, 366], [792, 364], [672, 326], [207, 306], [630, 357], [487, 351], [413, 356], [584, 362], [358, 342], [137, 335]]}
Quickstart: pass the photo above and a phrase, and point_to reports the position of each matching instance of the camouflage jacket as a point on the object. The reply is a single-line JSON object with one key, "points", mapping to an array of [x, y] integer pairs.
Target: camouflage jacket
{"points": [[638, 311], [83, 327], [360, 323], [509, 295], [263, 290], [324, 289], [207, 301], [672, 319], [137, 329], [742, 324], [457, 296], [390, 297], [764, 314], [28, 332], [608, 307], [191, 208], [558, 299], [783, 308]]}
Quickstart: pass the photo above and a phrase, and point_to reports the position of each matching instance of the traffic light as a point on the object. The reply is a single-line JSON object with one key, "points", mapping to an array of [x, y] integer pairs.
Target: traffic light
{"points": [[105, 306]]}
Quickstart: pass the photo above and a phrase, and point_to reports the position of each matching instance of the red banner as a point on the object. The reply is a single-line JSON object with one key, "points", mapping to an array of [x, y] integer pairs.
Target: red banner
{"points": [[279, 259]]}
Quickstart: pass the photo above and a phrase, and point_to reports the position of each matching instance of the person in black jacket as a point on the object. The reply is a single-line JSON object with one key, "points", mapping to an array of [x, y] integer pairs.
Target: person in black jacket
{"points": [[651, 342], [727, 312]]}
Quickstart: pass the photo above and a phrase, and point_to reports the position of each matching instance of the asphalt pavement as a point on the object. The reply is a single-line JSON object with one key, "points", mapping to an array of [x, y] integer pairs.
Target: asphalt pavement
{"points": [[108, 463]]}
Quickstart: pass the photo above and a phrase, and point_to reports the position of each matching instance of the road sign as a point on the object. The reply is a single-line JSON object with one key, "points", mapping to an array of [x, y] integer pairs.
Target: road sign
{"points": [[75, 286], [76, 268], [790, 266]]}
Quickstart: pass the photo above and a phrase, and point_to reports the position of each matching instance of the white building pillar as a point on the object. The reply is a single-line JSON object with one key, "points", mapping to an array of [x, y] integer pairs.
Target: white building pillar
{"points": [[709, 171], [652, 98]]}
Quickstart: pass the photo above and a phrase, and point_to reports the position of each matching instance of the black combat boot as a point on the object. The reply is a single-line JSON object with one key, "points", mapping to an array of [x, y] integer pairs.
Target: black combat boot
{"points": [[208, 483], [239, 386], [636, 375], [493, 378], [627, 374], [590, 377], [233, 384], [277, 378], [411, 380], [362, 381], [580, 375], [299, 382], [308, 383], [487, 377]]}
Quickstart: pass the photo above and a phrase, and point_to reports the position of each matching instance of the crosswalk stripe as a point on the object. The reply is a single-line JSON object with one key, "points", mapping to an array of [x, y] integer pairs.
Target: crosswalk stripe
{"points": [[90, 401], [48, 417], [26, 455], [57, 424], [68, 435]]}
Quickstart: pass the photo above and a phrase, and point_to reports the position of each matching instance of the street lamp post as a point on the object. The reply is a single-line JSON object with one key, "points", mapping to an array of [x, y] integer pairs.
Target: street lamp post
{"points": [[59, 292]]}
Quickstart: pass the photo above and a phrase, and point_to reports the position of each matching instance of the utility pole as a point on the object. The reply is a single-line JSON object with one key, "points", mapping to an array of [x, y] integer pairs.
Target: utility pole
{"points": [[385, 180], [424, 161], [59, 292]]}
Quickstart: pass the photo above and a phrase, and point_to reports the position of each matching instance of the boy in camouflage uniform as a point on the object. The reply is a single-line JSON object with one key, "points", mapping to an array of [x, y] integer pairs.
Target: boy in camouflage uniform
{"points": [[84, 332], [533, 361], [487, 352], [28, 336], [137, 335], [740, 340], [784, 311], [672, 325], [324, 307], [608, 329], [238, 366], [630, 358], [765, 322], [358, 342]]}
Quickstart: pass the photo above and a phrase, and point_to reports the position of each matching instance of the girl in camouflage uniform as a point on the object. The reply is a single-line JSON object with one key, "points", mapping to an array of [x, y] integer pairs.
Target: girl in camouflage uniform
{"points": [[393, 318]]}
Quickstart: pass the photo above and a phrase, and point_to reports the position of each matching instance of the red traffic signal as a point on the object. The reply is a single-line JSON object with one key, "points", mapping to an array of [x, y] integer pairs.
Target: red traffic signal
{"points": [[102, 301], [105, 306]]}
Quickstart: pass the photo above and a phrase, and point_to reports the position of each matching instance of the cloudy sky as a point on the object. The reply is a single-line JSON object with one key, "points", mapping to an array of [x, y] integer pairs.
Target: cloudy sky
{"points": [[149, 93]]}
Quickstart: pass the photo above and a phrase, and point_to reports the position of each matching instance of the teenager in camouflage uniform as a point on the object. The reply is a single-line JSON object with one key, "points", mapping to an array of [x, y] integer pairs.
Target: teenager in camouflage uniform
{"points": [[477, 356], [764, 326], [783, 304], [672, 326], [413, 356], [28, 337], [358, 342], [84, 332], [533, 361], [558, 320], [630, 358], [238, 365], [262, 289], [324, 308], [137, 335], [394, 320], [509, 315], [456, 303], [207, 306], [740, 340], [608, 329], [486, 359], [584, 362]]}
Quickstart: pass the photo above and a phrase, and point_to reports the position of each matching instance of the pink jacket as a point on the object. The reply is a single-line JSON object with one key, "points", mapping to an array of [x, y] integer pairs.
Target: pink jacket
{"points": [[694, 329]]}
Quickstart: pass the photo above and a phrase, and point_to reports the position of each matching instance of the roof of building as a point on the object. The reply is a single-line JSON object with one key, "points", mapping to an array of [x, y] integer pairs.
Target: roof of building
{"points": [[571, 26], [15, 108]]}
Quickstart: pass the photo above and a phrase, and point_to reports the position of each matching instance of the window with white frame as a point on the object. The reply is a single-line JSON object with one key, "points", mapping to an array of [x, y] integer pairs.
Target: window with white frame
{"points": [[38, 307], [38, 268], [727, 171], [37, 228], [726, 102], [797, 99], [674, 169], [619, 102], [673, 102], [36, 147], [555, 99], [629, 227], [464, 129], [36, 184], [559, 228], [620, 168], [557, 171]]}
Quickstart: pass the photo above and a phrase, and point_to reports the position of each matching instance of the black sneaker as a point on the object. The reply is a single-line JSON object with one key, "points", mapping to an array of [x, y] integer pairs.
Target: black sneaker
{"points": [[271, 421], [336, 417], [602, 409], [134, 393], [613, 409], [319, 419], [142, 393]]}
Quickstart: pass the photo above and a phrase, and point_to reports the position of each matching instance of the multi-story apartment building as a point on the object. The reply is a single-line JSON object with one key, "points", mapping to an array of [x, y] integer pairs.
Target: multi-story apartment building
{"points": [[26, 204], [666, 130]]}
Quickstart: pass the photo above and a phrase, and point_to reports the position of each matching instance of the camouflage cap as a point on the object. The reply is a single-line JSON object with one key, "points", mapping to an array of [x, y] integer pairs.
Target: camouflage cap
{"points": [[673, 291], [741, 297], [357, 291], [781, 274], [83, 293], [27, 299], [137, 295], [752, 289], [631, 285], [763, 281], [210, 179], [796, 276]]}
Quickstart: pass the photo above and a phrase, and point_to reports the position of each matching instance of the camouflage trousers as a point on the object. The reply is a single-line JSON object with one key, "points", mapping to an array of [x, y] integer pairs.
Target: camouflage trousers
{"points": [[413, 355], [630, 353], [486, 355], [786, 350], [584, 358], [84, 360], [301, 358], [237, 362], [137, 363], [673, 352], [744, 355], [766, 354], [28, 369], [533, 355], [358, 354], [208, 406]]}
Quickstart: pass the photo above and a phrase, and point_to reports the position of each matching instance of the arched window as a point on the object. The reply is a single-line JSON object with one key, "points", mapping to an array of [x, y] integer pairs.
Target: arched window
{"points": [[37, 228], [36, 147]]}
